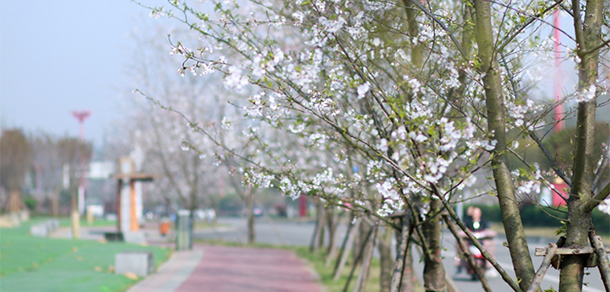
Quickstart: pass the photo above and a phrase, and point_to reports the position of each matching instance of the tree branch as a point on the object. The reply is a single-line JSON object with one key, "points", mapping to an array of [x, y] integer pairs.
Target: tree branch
{"points": [[548, 156], [445, 28], [598, 198]]}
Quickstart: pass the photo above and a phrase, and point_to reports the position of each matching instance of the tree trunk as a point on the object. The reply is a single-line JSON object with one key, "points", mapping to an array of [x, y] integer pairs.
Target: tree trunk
{"points": [[193, 203], [362, 234], [332, 222], [403, 277], [314, 235], [358, 256], [579, 216], [250, 204], [191, 218], [317, 239], [74, 216], [434, 272], [322, 226], [417, 50], [345, 251], [492, 82], [402, 237], [332, 252], [366, 261], [14, 202], [385, 258], [409, 279], [55, 203]]}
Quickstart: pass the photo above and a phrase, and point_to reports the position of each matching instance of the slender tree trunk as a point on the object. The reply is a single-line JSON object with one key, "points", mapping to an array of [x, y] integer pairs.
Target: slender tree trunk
{"points": [[435, 277], [496, 122], [362, 234], [314, 235], [331, 220], [572, 267], [434, 272], [463, 251], [192, 208], [250, 204], [358, 256], [14, 202], [385, 258], [403, 277], [345, 248], [579, 216], [409, 279], [366, 261], [193, 200], [191, 227], [417, 50], [402, 238], [317, 239], [321, 226], [74, 216], [332, 253], [458, 97], [55, 203]]}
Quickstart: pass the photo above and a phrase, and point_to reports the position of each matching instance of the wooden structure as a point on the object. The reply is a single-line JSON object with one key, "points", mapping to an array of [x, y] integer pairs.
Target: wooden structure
{"points": [[597, 255], [129, 196]]}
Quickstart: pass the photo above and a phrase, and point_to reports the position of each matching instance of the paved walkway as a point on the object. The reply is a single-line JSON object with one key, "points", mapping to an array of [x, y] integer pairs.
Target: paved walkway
{"points": [[228, 269], [171, 274]]}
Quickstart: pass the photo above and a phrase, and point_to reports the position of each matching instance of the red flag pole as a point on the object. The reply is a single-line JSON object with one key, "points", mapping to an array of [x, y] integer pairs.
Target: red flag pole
{"points": [[559, 124]]}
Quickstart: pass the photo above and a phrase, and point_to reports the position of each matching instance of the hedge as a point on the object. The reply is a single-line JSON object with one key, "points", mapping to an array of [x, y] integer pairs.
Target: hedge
{"points": [[535, 216]]}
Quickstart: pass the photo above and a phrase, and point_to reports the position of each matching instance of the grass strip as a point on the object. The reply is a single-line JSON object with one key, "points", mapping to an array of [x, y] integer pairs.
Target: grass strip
{"points": [[29, 263]]}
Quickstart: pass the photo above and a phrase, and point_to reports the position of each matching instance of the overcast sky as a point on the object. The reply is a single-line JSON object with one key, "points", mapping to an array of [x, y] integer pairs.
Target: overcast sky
{"points": [[63, 55]]}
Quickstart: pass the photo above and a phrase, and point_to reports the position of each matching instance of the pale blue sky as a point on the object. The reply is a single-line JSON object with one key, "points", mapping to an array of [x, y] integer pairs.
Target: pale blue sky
{"points": [[64, 55]]}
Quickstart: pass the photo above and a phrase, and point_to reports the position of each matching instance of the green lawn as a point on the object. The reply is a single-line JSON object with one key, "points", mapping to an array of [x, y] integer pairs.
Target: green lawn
{"points": [[30, 263], [199, 225]]}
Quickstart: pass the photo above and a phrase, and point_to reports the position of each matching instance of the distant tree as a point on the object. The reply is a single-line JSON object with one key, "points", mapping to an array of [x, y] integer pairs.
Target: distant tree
{"points": [[192, 168], [563, 143], [70, 153], [560, 146], [15, 162], [48, 167]]}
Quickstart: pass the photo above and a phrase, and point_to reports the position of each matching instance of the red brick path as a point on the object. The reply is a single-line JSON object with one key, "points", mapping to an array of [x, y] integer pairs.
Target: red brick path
{"points": [[231, 269]]}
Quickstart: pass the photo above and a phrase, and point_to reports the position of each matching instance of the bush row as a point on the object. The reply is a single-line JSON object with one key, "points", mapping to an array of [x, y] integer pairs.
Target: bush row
{"points": [[535, 216]]}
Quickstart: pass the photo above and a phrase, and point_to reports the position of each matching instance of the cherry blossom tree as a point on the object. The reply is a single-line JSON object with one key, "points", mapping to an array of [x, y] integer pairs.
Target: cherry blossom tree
{"points": [[582, 200], [171, 112], [419, 95], [187, 178]]}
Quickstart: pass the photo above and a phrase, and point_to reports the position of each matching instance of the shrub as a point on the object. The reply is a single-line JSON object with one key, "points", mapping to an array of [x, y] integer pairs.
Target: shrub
{"points": [[31, 203], [537, 216], [490, 213]]}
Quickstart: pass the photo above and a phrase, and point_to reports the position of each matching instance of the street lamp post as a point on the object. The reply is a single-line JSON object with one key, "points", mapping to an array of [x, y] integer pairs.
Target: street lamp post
{"points": [[81, 116]]}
